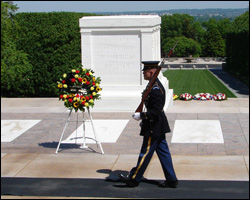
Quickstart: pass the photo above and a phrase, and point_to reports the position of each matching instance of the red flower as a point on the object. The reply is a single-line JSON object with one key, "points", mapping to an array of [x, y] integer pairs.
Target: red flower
{"points": [[63, 81], [61, 96], [87, 98], [77, 71], [93, 83], [70, 100], [73, 80], [77, 95], [87, 74], [80, 79], [83, 103], [91, 96], [87, 82]]}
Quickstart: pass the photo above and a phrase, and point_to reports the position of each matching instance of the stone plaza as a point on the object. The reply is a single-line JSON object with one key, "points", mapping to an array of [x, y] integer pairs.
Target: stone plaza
{"points": [[209, 141], [28, 149]]}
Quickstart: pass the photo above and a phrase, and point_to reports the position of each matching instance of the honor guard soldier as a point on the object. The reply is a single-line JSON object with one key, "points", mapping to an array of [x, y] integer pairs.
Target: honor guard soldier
{"points": [[154, 126]]}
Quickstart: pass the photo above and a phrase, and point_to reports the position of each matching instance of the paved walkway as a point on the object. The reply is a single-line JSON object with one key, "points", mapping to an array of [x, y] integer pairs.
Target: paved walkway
{"points": [[240, 89], [32, 154]]}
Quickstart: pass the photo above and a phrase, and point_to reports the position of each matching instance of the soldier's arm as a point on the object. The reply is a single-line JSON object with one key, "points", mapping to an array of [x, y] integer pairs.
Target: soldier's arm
{"points": [[157, 104]]}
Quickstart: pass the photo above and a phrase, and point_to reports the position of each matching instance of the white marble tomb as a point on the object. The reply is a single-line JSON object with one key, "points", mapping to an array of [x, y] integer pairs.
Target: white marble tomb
{"points": [[114, 46]]}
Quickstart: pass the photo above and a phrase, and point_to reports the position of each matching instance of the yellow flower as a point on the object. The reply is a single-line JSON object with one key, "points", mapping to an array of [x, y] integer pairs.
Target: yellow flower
{"points": [[93, 78], [83, 69], [98, 89], [76, 104], [73, 70], [65, 96], [175, 97], [71, 95], [94, 93], [86, 104], [97, 85], [90, 73], [91, 101], [92, 88], [64, 75], [83, 99], [60, 85], [65, 85], [84, 80], [76, 76]]}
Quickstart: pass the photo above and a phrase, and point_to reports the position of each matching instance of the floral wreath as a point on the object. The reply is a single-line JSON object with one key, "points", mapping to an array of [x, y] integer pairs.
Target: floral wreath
{"points": [[186, 97], [79, 88], [219, 97], [203, 96]]}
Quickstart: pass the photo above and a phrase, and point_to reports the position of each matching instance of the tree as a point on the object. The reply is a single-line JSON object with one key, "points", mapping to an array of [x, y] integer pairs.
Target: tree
{"points": [[53, 43], [15, 66], [214, 44], [210, 24], [184, 48], [241, 23], [180, 25], [183, 26], [224, 26]]}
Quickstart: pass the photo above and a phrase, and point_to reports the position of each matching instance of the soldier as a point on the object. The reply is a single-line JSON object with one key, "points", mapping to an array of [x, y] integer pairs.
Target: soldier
{"points": [[154, 125]]}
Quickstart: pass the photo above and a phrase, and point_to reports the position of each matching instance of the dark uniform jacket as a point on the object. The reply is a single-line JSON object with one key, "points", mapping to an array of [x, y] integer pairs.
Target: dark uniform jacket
{"points": [[154, 121]]}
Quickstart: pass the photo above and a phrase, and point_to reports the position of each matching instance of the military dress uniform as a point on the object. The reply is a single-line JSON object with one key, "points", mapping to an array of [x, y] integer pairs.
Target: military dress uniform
{"points": [[154, 126]]}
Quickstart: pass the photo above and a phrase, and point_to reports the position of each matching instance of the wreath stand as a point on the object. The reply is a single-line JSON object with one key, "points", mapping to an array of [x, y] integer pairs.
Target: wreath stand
{"points": [[84, 137]]}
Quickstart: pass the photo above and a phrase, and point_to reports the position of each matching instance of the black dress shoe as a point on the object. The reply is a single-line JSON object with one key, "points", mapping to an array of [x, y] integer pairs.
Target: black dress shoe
{"points": [[128, 180], [169, 184]]}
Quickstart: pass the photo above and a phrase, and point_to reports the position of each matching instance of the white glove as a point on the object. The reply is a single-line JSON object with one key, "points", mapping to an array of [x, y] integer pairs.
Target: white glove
{"points": [[137, 116]]}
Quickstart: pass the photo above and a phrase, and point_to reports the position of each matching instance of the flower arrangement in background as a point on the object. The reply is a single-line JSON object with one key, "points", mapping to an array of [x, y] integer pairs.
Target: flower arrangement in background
{"points": [[175, 97], [203, 96], [186, 97], [79, 88], [219, 97]]}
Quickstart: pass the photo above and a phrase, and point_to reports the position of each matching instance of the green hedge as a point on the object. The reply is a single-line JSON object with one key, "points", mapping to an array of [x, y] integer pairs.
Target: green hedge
{"points": [[53, 44], [237, 49]]}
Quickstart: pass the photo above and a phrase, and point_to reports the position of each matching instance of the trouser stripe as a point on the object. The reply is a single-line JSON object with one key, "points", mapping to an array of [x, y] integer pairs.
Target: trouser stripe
{"points": [[143, 158]]}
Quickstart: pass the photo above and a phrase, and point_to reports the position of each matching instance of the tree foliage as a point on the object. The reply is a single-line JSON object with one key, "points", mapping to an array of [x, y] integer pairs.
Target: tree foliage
{"points": [[184, 27], [15, 65], [205, 34], [184, 48], [53, 44], [214, 44]]}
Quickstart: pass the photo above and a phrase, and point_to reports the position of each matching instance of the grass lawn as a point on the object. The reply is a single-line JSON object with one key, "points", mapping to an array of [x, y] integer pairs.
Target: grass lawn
{"points": [[195, 81]]}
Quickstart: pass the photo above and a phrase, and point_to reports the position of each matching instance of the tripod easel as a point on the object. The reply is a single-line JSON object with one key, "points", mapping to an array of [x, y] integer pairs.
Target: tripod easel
{"points": [[84, 137]]}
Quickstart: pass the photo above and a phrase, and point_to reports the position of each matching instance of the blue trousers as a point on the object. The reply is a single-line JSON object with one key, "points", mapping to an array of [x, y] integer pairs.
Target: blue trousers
{"points": [[149, 146]]}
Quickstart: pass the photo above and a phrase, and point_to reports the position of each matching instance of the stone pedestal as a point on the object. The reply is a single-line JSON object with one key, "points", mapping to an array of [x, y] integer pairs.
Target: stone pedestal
{"points": [[114, 46]]}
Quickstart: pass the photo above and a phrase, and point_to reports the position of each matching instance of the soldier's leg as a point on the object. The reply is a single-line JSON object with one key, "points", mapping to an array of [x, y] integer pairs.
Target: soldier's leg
{"points": [[166, 160], [145, 156]]}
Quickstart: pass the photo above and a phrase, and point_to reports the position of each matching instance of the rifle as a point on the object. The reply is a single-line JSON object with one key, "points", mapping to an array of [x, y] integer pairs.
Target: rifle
{"points": [[150, 84]]}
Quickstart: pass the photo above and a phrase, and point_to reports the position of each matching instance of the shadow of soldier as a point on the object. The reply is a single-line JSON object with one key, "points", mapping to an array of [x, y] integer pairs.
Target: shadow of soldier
{"points": [[113, 177]]}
